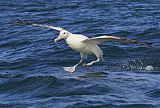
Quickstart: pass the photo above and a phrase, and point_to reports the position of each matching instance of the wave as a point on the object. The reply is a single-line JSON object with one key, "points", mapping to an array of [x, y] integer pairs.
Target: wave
{"points": [[155, 93]]}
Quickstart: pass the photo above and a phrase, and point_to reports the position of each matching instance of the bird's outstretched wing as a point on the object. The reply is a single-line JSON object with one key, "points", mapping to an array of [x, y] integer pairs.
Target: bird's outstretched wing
{"points": [[101, 39], [35, 24]]}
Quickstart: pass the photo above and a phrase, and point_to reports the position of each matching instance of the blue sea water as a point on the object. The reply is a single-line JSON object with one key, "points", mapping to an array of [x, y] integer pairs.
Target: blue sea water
{"points": [[31, 74]]}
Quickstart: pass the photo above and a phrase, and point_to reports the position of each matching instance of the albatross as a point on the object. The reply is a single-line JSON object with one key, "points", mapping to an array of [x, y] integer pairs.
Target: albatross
{"points": [[84, 44]]}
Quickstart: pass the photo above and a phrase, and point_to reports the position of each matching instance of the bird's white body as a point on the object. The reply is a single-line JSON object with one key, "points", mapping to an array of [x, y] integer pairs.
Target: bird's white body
{"points": [[75, 41], [83, 44]]}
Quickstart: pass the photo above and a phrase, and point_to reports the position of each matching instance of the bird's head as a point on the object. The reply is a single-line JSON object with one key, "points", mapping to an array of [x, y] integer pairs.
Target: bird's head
{"points": [[62, 35]]}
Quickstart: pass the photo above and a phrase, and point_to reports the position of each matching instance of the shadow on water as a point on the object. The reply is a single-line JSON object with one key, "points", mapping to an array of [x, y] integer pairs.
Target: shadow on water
{"points": [[94, 75]]}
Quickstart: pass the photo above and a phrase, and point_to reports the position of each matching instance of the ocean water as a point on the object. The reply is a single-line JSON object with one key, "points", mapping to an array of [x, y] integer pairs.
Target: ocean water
{"points": [[31, 74]]}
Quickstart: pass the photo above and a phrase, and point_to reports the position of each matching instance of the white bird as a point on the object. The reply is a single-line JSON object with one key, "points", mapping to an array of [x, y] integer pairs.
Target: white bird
{"points": [[83, 44]]}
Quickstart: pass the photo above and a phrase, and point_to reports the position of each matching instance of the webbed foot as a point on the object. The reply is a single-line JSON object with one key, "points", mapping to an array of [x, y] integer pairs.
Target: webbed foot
{"points": [[70, 69]]}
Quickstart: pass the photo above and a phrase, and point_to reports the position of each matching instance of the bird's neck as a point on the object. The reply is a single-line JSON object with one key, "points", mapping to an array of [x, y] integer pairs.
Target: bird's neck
{"points": [[68, 36]]}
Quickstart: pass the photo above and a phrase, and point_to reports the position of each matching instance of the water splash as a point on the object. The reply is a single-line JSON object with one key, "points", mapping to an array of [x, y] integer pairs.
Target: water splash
{"points": [[137, 64], [149, 68]]}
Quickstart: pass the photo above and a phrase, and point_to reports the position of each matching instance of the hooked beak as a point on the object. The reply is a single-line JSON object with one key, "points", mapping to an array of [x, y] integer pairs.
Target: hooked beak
{"points": [[57, 39]]}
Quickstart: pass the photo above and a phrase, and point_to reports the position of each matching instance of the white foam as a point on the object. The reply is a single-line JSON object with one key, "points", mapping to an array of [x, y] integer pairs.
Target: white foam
{"points": [[149, 68]]}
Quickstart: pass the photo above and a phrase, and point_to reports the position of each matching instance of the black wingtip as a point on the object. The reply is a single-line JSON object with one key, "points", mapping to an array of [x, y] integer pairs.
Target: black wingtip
{"points": [[149, 43], [18, 21], [146, 43], [22, 22]]}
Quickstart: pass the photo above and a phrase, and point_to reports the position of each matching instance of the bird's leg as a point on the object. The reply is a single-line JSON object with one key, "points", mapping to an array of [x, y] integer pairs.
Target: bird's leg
{"points": [[102, 59], [89, 64], [73, 68], [95, 61]]}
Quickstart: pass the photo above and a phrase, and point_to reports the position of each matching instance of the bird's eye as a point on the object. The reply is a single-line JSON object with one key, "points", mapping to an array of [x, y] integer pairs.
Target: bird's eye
{"points": [[64, 33]]}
